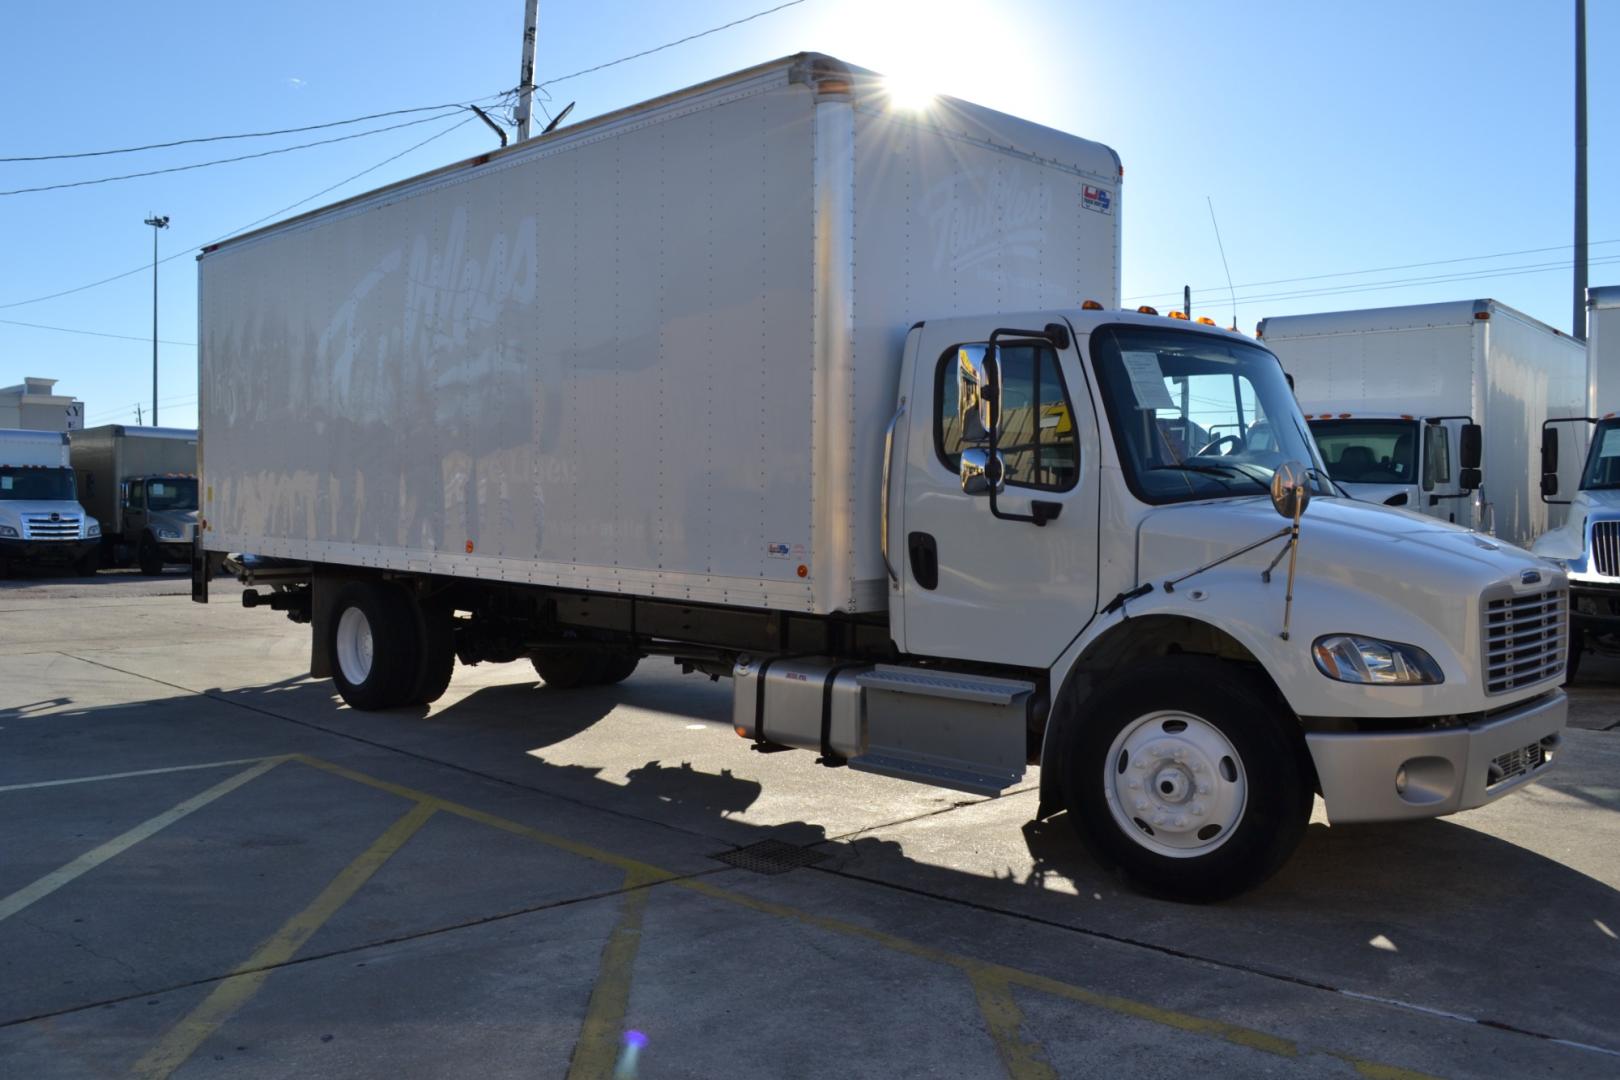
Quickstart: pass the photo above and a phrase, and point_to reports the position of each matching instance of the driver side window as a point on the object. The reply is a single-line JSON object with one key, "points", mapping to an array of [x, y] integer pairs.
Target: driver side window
{"points": [[1039, 445], [137, 495]]}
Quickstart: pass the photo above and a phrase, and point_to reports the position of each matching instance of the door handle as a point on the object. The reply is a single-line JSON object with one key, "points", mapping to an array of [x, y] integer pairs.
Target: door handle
{"points": [[924, 559]]}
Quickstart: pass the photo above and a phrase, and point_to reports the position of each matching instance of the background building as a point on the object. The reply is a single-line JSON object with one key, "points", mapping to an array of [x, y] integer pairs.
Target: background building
{"points": [[32, 405]]}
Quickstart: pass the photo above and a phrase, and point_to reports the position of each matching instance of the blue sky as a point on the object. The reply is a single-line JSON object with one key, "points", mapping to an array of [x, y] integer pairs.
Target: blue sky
{"points": [[1331, 138]]}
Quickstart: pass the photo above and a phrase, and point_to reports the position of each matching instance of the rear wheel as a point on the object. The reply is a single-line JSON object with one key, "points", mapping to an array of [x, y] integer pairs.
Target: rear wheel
{"points": [[1189, 776], [149, 556], [372, 645], [565, 669]]}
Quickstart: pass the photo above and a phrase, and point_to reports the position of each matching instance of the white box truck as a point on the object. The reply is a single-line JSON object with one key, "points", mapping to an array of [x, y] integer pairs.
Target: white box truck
{"points": [[1401, 401], [41, 521], [1588, 543], [797, 387], [141, 484]]}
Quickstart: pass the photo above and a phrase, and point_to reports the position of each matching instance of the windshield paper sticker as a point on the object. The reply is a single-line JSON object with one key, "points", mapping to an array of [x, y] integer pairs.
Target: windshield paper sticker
{"points": [[1147, 379], [1097, 199], [1611, 444]]}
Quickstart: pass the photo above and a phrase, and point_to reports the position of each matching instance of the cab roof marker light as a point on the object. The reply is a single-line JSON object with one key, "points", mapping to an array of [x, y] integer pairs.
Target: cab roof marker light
{"points": [[1145, 310], [1205, 320], [1182, 315], [1342, 416], [1091, 305]]}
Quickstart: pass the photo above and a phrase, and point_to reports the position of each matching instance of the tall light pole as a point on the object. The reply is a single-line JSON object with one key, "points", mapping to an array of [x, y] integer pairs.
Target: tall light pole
{"points": [[525, 101], [1578, 320], [157, 223]]}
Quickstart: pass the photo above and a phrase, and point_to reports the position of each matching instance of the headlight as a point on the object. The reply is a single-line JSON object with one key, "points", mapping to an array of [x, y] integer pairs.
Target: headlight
{"points": [[1353, 659], [168, 534], [93, 529], [7, 530]]}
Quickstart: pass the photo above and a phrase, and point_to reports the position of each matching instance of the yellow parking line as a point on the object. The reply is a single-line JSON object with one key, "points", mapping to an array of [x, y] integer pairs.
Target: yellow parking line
{"points": [[126, 775], [987, 974], [93, 858], [601, 1035], [231, 994], [1005, 1020]]}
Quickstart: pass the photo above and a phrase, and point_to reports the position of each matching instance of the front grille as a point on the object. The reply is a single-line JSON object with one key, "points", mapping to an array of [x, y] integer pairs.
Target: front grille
{"points": [[1514, 764], [52, 526], [1606, 548], [1525, 639]]}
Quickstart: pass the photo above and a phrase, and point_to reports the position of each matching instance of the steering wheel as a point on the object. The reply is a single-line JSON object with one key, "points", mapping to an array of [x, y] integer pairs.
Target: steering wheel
{"points": [[1214, 445]]}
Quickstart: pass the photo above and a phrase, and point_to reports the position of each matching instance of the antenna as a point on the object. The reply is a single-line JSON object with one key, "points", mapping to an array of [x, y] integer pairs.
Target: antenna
{"points": [[1231, 291]]}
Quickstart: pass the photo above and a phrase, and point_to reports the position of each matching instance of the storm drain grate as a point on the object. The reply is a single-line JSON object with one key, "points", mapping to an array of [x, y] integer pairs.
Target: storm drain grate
{"points": [[770, 857]]}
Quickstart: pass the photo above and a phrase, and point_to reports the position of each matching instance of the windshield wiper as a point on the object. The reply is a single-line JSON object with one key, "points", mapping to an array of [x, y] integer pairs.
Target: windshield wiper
{"points": [[1219, 472]]}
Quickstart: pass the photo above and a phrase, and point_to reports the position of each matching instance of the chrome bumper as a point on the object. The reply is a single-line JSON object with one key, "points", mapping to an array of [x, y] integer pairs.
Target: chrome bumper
{"points": [[1418, 774]]}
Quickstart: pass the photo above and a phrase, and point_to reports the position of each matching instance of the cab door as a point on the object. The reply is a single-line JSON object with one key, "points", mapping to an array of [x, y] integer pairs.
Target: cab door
{"points": [[978, 587], [134, 509]]}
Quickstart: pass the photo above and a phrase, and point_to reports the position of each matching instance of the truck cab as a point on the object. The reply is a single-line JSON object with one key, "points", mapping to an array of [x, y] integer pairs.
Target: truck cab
{"points": [[1587, 545], [159, 518], [1427, 464], [41, 521]]}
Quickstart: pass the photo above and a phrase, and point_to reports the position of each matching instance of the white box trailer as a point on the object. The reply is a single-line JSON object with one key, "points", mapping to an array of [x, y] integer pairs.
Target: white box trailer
{"points": [[1602, 350], [797, 387], [1391, 392]]}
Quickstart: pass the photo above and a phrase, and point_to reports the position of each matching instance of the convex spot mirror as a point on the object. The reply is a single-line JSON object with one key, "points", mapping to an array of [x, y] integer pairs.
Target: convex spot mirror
{"points": [[978, 470], [1291, 489]]}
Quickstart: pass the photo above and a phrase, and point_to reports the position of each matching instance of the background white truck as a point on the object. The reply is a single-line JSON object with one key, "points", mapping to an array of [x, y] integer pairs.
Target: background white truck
{"points": [[141, 484], [1587, 545], [41, 521], [795, 386], [1402, 399]]}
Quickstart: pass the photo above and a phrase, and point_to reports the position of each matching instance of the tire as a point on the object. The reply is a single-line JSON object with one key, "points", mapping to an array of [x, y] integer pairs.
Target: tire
{"points": [[372, 645], [89, 563], [619, 666], [149, 556], [566, 669], [1174, 742], [436, 651], [1577, 646]]}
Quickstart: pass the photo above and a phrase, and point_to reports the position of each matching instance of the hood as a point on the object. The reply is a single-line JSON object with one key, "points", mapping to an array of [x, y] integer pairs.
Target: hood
{"points": [[1361, 545], [30, 507], [173, 519]]}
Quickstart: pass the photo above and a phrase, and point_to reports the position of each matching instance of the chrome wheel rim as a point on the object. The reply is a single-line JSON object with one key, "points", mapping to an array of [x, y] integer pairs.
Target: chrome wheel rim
{"points": [[354, 646], [1175, 784]]}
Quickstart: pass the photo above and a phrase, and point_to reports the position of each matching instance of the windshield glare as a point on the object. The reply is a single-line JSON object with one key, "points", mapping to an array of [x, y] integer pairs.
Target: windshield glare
{"points": [[171, 495], [1198, 417], [39, 485], [1603, 463], [1368, 451]]}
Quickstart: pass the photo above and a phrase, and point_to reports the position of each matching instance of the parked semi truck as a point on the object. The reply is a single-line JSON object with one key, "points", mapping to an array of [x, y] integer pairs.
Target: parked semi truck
{"points": [[41, 521], [141, 483], [1588, 543], [830, 397], [1435, 408]]}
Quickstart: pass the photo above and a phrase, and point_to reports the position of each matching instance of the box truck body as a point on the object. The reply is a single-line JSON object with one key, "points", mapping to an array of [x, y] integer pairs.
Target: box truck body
{"points": [[41, 520], [1603, 350], [1389, 392], [832, 398], [634, 358], [141, 484]]}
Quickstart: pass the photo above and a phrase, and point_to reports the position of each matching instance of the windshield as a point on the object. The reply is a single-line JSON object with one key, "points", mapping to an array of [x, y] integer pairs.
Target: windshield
{"points": [[40, 485], [1368, 451], [171, 494], [1603, 463], [1196, 416]]}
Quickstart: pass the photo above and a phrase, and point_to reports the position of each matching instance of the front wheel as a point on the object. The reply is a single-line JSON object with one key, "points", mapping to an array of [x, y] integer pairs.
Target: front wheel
{"points": [[1189, 775], [149, 556], [1577, 645]]}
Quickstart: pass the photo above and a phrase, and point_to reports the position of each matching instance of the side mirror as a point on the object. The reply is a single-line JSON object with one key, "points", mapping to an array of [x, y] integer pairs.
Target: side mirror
{"points": [[1470, 449], [1549, 462], [979, 470], [1291, 490], [1470, 479], [974, 394]]}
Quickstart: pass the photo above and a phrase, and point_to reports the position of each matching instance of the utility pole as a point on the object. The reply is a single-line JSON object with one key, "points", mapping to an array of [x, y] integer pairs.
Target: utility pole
{"points": [[1578, 322], [157, 223], [138, 420], [525, 102]]}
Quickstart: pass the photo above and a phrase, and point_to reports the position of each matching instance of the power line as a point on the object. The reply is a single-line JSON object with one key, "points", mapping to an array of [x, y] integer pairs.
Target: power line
{"points": [[95, 333], [188, 250], [226, 161], [1370, 270], [671, 44], [248, 134], [1410, 283]]}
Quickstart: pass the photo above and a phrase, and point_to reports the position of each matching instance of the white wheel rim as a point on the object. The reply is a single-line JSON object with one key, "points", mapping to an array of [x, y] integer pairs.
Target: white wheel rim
{"points": [[354, 646], [1175, 784]]}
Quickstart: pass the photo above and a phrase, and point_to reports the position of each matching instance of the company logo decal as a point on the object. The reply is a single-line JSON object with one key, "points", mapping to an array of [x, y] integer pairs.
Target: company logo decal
{"points": [[1096, 198]]}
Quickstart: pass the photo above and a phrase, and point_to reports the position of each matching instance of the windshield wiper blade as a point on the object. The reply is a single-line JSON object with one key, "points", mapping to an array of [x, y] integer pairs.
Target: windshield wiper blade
{"points": [[1219, 472]]}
